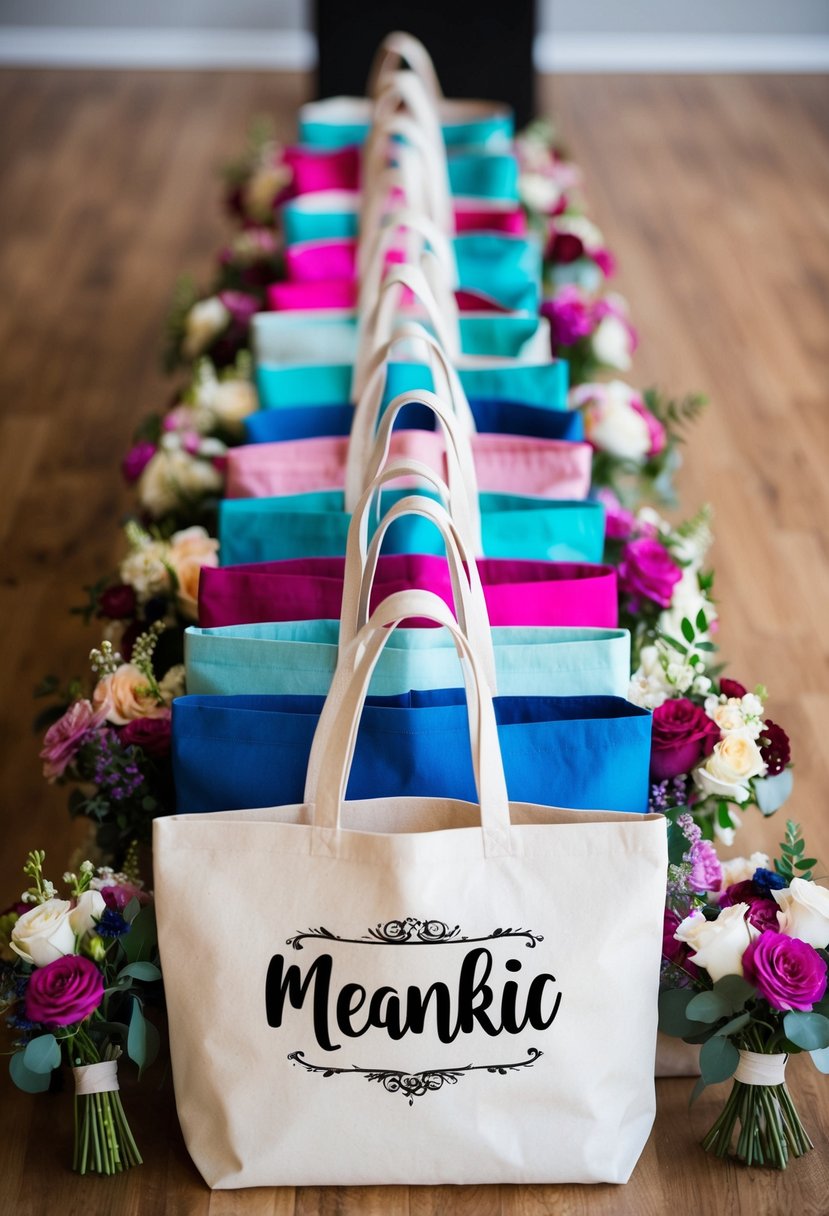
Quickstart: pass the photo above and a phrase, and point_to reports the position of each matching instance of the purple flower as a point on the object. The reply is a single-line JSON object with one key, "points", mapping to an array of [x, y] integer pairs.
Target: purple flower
{"points": [[706, 871], [136, 461], [648, 571], [152, 735], [64, 992], [570, 317], [64, 739], [788, 973]]}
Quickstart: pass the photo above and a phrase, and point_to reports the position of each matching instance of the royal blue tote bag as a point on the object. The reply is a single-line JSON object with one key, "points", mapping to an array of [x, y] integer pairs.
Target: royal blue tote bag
{"points": [[251, 751]]}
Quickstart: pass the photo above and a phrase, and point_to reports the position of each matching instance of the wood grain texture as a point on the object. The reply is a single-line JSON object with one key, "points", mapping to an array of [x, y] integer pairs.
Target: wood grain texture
{"points": [[713, 193]]}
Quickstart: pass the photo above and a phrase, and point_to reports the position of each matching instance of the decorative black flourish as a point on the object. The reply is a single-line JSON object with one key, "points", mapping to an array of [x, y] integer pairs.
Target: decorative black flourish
{"points": [[412, 932], [416, 1084]]}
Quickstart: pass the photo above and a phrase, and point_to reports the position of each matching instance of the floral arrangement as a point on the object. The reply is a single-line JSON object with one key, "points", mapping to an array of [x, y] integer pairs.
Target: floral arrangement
{"points": [[744, 973], [72, 977]]}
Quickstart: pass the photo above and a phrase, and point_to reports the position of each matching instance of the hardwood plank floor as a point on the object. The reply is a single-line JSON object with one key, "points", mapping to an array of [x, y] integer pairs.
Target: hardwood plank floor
{"points": [[712, 191]]}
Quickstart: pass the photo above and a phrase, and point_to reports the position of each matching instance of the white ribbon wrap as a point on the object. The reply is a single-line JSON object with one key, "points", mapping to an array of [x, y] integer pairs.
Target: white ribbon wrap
{"points": [[96, 1078], [755, 1068]]}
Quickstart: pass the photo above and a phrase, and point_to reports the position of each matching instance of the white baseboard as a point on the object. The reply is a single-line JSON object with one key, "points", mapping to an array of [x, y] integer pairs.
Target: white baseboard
{"points": [[681, 53], [295, 50]]}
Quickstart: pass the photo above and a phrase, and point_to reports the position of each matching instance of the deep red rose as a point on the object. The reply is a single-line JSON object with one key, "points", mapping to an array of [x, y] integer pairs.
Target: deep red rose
{"points": [[136, 461], [117, 603], [119, 895], [762, 912], [672, 950], [732, 688], [681, 735], [152, 735], [564, 248], [775, 747]]}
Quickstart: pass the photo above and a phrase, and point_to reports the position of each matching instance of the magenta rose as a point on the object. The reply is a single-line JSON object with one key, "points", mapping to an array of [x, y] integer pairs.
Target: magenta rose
{"points": [[656, 431], [570, 317], [64, 739], [648, 571], [64, 992], [681, 735], [152, 735], [564, 247], [605, 261], [136, 461], [117, 603], [788, 973], [119, 895], [240, 305], [672, 950]]}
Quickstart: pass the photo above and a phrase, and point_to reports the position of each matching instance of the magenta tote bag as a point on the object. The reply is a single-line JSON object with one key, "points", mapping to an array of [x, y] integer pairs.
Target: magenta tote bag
{"points": [[517, 592]]}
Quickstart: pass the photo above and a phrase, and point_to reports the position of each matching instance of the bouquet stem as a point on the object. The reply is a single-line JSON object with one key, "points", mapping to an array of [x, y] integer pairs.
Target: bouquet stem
{"points": [[770, 1130], [104, 1143]]}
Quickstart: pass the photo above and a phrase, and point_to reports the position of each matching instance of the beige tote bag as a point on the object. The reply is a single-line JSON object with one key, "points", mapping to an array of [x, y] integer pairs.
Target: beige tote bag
{"points": [[411, 990]]}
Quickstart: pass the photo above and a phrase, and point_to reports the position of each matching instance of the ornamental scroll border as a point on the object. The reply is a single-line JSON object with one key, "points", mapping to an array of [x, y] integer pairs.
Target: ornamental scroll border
{"points": [[410, 931]]}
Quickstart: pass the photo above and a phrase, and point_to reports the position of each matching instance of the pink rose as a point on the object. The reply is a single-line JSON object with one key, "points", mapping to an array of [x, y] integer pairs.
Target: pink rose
{"points": [[64, 739], [64, 992], [136, 461], [648, 571], [656, 431], [605, 261], [125, 695], [118, 895], [682, 733], [569, 315]]}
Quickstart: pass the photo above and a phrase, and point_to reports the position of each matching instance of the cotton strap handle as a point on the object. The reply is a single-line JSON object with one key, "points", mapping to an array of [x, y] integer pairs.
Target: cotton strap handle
{"points": [[460, 464], [401, 141], [377, 326], [361, 568], [332, 751], [419, 230], [393, 50]]}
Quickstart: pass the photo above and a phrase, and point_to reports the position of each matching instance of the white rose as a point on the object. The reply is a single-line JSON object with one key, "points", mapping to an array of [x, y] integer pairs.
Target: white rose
{"points": [[44, 933], [173, 476], [144, 568], [539, 192], [741, 869], [804, 912], [89, 909], [233, 401], [613, 425], [729, 768], [649, 687], [204, 322], [611, 344], [752, 706], [719, 944]]}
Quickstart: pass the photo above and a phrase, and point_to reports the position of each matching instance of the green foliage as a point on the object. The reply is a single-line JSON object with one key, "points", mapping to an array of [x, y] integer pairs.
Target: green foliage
{"points": [[791, 863], [675, 413], [42, 1054], [24, 1078], [718, 1059], [808, 1031]]}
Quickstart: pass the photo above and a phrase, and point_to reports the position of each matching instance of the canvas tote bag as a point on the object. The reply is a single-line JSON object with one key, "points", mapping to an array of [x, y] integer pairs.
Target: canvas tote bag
{"points": [[412, 1000]]}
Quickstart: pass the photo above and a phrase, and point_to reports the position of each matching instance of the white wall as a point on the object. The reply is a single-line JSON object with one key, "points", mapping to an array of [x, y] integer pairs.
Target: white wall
{"points": [[663, 35]]}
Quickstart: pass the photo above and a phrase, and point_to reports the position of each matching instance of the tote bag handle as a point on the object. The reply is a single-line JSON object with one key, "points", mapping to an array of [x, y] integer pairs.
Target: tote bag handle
{"points": [[393, 50], [419, 160], [369, 409], [361, 567], [376, 327], [332, 751], [463, 485], [420, 229]]}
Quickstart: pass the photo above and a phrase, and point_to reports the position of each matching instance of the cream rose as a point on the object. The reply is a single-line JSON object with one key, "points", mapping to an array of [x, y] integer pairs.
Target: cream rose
{"points": [[719, 944], [539, 192], [144, 569], [126, 696], [611, 423], [728, 717], [611, 344], [173, 475], [262, 188], [232, 402], [204, 322], [804, 912], [44, 933], [89, 909], [729, 768], [174, 683], [189, 551], [741, 869]]}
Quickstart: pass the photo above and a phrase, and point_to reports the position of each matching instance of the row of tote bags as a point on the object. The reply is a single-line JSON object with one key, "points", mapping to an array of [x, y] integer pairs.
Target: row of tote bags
{"points": [[409, 963]]}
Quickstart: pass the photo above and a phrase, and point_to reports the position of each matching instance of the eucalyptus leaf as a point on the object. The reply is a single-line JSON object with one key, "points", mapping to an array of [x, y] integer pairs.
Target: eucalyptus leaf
{"points": [[23, 1077], [718, 1058], [42, 1054], [142, 939], [673, 1019], [140, 971], [741, 1020], [821, 1059], [708, 1007], [808, 1030], [137, 1036], [771, 792], [735, 990], [131, 910]]}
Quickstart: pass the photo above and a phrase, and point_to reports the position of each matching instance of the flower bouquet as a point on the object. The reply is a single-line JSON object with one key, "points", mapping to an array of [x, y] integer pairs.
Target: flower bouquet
{"points": [[744, 973], [73, 995]]}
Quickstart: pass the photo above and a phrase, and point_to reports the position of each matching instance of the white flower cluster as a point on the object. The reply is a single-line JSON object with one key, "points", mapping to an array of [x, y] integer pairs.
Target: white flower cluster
{"points": [[663, 673], [148, 566], [736, 759]]}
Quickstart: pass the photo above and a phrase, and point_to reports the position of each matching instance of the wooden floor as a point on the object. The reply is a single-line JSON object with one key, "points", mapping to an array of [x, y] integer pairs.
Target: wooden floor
{"points": [[713, 192]]}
